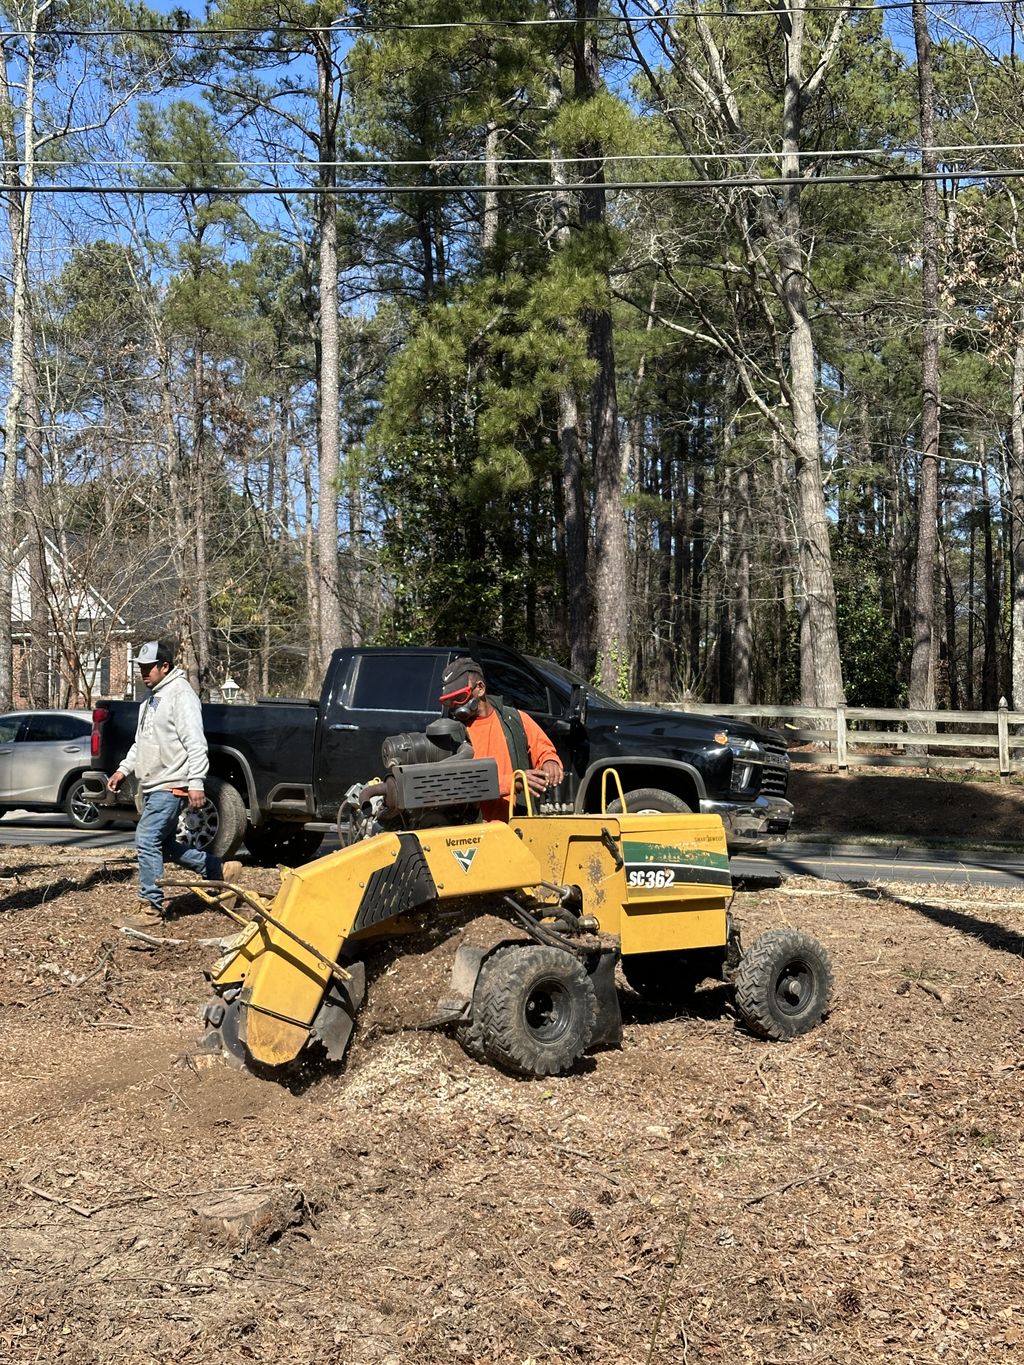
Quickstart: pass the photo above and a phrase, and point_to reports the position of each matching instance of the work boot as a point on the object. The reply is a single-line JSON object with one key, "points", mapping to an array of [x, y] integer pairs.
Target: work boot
{"points": [[148, 918], [232, 872]]}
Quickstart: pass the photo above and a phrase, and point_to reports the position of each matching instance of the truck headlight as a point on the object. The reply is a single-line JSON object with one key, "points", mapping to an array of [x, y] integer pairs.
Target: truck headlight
{"points": [[745, 754]]}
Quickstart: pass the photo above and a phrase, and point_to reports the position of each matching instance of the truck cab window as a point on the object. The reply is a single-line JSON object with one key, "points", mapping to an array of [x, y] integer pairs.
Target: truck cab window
{"points": [[394, 682], [515, 686]]}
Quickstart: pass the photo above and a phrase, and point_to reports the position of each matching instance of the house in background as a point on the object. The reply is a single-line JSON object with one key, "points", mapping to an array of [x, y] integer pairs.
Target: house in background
{"points": [[88, 642]]}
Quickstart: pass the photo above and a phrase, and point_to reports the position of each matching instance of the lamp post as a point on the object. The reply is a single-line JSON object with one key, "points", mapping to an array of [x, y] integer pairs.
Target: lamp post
{"points": [[229, 689]]}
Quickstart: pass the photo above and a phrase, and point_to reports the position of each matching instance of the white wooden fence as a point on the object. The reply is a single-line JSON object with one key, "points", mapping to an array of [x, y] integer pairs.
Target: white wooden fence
{"points": [[845, 737]]}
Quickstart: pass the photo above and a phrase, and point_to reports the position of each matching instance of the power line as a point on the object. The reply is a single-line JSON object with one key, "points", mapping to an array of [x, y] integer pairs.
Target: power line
{"points": [[337, 191], [600, 20], [306, 163]]}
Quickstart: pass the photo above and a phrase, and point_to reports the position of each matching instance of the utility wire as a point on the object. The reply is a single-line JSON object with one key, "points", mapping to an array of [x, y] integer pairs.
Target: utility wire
{"points": [[602, 20], [305, 163], [738, 182]]}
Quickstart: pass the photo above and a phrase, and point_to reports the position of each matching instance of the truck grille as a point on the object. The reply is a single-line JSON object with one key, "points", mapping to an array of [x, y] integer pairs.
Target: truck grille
{"points": [[775, 773]]}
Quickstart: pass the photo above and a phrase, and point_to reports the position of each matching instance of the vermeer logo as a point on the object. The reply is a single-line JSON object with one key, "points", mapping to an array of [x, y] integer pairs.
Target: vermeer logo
{"points": [[464, 857]]}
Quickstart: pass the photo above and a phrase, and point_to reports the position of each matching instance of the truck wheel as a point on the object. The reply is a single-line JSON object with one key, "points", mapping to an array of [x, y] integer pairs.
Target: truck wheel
{"points": [[650, 801], [535, 1008], [217, 826], [279, 843], [82, 814], [783, 984], [671, 978]]}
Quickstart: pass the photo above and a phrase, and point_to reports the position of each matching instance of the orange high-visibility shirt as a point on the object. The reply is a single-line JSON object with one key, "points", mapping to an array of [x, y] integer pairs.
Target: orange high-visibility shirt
{"points": [[487, 736]]}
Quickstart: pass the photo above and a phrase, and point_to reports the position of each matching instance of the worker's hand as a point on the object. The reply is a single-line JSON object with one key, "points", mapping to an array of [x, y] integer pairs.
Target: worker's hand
{"points": [[115, 780], [196, 799], [540, 779], [554, 772]]}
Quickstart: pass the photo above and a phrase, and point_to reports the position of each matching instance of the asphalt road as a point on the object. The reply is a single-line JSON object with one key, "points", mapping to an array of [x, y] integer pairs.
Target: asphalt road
{"points": [[833, 862]]}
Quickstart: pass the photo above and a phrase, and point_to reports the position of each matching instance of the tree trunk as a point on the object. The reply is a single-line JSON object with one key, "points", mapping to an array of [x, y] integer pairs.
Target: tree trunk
{"points": [[199, 516], [1016, 482], [743, 634], [820, 634], [314, 673], [489, 233], [569, 445], [922, 684], [330, 631], [993, 598], [608, 565], [44, 657], [19, 207]]}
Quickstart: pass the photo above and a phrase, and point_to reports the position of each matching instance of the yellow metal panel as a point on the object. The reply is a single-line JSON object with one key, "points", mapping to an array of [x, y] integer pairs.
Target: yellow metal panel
{"points": [[672, 889], [572, 851], [478, 859], [697, 924]]}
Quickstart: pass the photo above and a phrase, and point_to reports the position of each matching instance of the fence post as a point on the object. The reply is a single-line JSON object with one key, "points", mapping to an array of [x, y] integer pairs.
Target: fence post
{"points": [[1003, 733], [841, 760]]}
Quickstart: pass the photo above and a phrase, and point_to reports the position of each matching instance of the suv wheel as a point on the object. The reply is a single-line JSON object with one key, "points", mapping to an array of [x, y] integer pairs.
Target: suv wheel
{"points": [[82, 814]]}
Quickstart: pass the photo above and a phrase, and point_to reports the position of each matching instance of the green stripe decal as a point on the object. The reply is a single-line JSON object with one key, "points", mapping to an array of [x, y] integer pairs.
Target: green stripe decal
{"points": [[672, 855]]}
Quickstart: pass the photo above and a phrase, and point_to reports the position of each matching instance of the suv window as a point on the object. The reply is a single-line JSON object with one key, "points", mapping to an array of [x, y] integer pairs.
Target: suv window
{"points": [[9, 728], [56, 728], [395, 682], [515, 685]]}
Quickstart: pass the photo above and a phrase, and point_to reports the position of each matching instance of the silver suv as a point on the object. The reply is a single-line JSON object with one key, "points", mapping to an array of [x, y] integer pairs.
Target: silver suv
{"points": [[43, 755]]}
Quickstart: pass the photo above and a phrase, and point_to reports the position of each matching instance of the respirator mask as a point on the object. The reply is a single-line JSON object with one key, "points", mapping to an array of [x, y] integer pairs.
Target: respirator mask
{"points": [[460, 703]]}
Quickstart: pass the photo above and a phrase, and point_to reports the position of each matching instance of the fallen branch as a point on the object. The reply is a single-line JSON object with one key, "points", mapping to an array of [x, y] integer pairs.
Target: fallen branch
{"points": [[153, 940], [80, 1209], [789, 1185]]}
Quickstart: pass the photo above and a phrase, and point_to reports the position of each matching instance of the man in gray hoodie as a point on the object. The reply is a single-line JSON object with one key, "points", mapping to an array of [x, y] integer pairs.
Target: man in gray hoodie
{"points": [[171, 760]]}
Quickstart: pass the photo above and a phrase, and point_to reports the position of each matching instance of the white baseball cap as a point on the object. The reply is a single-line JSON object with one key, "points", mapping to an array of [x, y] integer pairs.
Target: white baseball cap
{"points": [[149, 654]]}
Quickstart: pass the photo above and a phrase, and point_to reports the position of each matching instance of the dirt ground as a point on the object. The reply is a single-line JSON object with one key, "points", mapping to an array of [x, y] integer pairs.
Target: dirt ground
{"points": [[916, 807], [696, 1196]]}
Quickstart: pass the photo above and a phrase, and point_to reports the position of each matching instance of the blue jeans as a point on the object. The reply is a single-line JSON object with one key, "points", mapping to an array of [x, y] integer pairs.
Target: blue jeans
{"points": [[155, 840]]}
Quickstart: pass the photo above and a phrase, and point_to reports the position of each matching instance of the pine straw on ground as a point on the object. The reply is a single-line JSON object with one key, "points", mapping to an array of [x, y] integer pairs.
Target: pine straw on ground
{"points": [[696, 1196]]}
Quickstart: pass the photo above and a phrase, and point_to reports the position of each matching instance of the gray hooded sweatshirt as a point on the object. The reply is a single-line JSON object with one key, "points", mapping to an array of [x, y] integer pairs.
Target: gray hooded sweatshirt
{"points": [[170, 747]]}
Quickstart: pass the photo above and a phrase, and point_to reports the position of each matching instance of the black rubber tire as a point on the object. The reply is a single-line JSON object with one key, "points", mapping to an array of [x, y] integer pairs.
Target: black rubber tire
{"points": [[219, 825], [671, 978], [783, 985], [280, 843], [86, 815], [650, 800], [535, 1008]]}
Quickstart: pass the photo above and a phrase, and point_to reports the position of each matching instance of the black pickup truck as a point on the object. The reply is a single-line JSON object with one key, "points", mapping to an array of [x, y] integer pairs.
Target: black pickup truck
{"points": [[279, 770]]}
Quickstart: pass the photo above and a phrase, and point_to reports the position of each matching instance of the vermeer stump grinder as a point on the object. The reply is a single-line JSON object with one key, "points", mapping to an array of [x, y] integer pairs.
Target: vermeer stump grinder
{"points": [[581, 895]]}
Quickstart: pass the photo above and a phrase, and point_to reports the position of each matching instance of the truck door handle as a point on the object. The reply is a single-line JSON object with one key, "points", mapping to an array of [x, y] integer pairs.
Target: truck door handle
{"points": [[72, 749], [343, 727]]}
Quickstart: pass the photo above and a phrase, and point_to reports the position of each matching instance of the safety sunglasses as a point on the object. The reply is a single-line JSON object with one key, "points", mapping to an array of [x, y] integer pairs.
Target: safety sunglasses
{"points": [[456, 698]]}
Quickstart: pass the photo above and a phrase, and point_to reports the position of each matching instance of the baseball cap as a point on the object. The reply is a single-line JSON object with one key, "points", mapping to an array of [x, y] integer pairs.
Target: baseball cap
{"points": [[151, 653], [455, 678]]}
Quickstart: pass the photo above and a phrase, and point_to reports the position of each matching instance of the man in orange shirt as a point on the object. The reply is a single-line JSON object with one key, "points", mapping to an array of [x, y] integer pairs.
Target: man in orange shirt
{"points": [[512, 738]]}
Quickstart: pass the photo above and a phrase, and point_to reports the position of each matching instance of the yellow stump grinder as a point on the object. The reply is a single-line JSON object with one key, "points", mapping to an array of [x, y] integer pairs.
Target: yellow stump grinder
{"points": [[580, 894]]}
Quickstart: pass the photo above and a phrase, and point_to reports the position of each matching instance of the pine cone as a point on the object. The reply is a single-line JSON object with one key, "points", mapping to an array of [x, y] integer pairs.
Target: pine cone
{"points": [[849, 1301], [581, 1218]]}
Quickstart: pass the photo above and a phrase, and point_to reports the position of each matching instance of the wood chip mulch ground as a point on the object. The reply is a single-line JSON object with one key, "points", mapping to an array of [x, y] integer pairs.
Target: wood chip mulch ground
{"points": [[697, 1196]]}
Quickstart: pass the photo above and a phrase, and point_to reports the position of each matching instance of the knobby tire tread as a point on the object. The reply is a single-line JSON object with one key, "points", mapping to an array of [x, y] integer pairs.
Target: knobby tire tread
{"points": [[506, 975], [754, 977]]}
